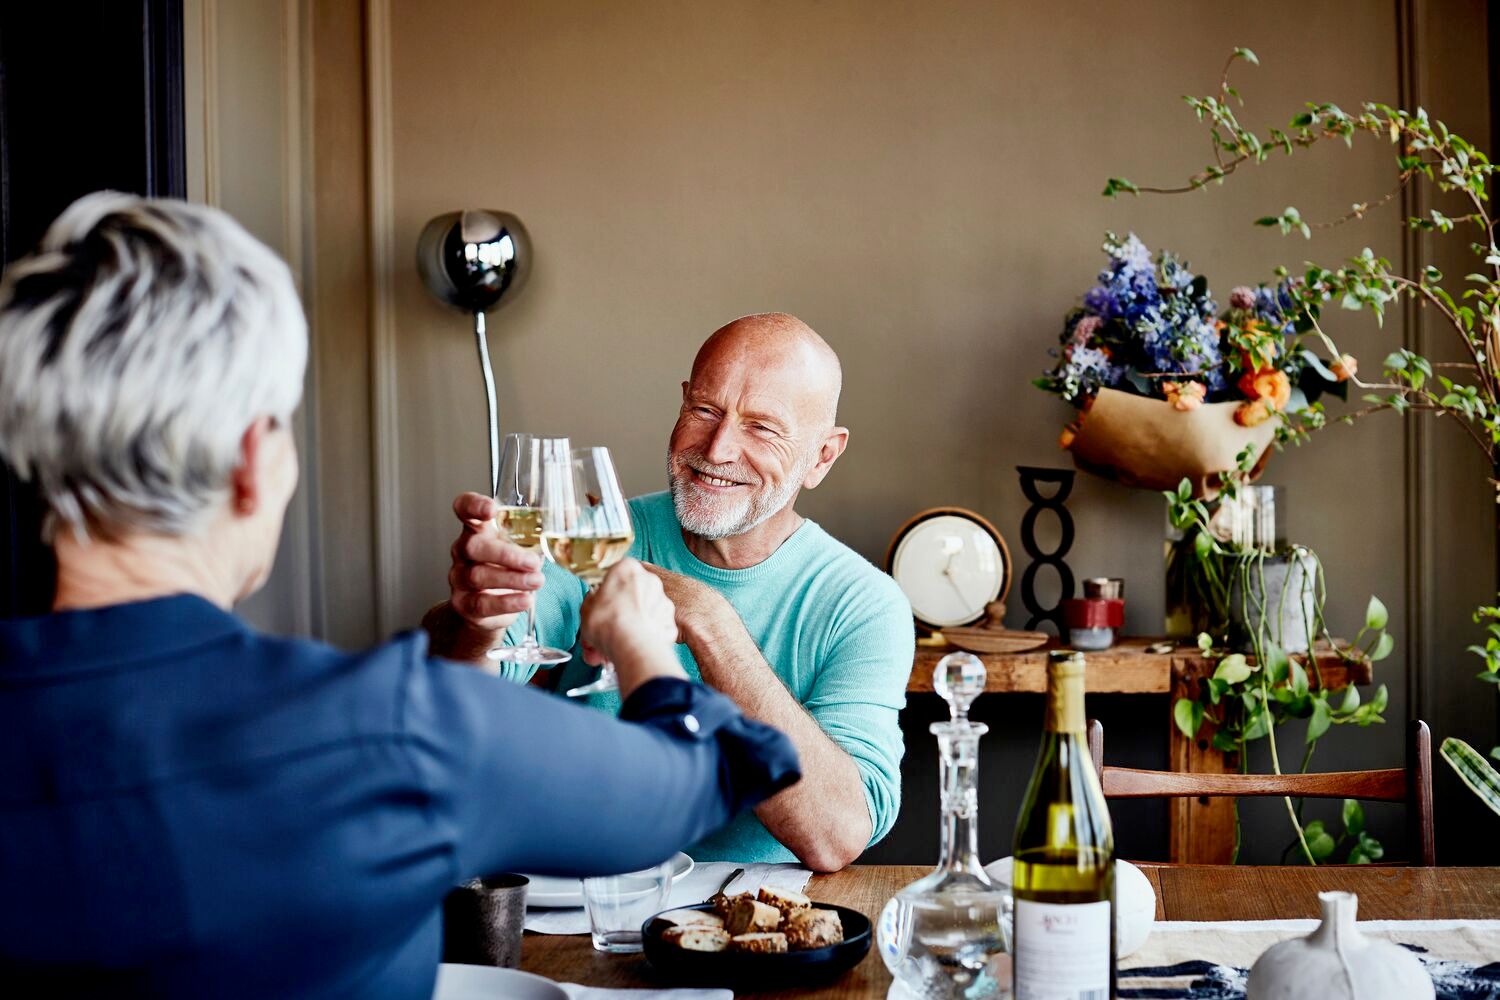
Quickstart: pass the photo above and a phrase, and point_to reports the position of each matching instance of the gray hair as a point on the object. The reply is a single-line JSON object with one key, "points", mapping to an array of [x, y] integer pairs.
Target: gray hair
{"points": [[137, 344]]}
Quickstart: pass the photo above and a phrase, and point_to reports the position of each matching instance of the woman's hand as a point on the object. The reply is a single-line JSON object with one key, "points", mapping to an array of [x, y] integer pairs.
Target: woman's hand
{"points": [[628, 620]]}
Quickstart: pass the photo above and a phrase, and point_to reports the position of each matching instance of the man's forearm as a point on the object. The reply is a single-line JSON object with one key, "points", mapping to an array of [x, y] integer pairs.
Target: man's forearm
{"points": [[450, 637], [824, 818]]}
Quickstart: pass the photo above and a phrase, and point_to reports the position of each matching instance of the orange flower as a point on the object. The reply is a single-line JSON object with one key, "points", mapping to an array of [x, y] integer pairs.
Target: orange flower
{"points": [[1256, 411], [1065, 439], [1269, 385], [1346, 367], [1184, 396]]}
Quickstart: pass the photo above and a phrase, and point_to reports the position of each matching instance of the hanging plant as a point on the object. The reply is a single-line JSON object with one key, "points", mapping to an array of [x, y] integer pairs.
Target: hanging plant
{"points": [[1244, 700]]}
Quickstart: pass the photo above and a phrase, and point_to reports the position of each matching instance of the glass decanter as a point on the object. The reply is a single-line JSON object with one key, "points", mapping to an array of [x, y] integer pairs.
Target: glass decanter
{"points": [[944, 936]]}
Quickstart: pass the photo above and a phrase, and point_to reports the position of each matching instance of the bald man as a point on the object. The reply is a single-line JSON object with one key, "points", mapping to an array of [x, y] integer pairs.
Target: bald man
{"points": [[790, 623]]}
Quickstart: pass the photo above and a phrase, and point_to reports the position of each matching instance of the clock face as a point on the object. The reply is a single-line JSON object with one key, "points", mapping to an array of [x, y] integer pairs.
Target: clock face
{"points": [[950, 567]]}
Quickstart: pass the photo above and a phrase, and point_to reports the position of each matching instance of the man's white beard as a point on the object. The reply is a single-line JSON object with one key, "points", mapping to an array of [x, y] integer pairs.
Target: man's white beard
{"points": [[706, 516]]}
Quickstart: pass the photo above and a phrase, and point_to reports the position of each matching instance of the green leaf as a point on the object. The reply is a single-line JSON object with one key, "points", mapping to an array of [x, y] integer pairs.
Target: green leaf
{"points": [[1318, 841], [1205, 641], [1382, 698], [1357, 856], [1316, 364], [1322, 718], [1203, 545], [1277, 663], [1370, 846], [1248, 56], [1383, 647], [1188, 715], [1476, 772], [1234, 669], [1302, 121], [1267, 220], [1224, 741], [1351, 700], [1354, 817], [1376, 615]]}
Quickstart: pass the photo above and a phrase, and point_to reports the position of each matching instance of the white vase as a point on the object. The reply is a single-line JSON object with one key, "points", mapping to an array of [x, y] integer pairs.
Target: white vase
{"points": [[1337, 962]]}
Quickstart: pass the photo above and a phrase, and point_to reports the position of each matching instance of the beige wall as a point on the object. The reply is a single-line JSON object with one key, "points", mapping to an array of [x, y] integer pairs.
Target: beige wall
{"points": [[919, 182]]}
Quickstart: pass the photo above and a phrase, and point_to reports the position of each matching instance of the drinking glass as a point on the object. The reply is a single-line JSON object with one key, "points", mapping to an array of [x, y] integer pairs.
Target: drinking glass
{"points": [[519, 494], [585, 524], [618, 905]]}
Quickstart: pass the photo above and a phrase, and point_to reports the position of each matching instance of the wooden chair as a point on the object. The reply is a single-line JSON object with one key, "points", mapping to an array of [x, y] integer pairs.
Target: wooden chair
{"points": [[1411, 784]]}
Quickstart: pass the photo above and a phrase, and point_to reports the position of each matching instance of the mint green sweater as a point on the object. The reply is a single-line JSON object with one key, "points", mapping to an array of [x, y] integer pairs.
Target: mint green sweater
{"points": [[836, 631]]}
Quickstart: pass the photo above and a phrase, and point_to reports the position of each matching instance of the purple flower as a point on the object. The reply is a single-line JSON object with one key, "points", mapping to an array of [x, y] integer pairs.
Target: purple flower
{"points": [[1085, 329], [1242, 298]]}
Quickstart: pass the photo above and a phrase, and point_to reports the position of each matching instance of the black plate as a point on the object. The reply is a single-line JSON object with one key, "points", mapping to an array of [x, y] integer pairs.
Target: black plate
{"points": [[743, 971]]}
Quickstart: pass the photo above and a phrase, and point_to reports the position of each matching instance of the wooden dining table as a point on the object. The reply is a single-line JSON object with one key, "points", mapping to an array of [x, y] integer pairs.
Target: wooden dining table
{"points": [[1183, 892]]}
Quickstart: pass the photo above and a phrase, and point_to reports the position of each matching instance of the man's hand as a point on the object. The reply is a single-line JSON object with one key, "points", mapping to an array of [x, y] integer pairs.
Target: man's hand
{"points": [[698, 605], [490, 582], [628, 620], [491, 579]]}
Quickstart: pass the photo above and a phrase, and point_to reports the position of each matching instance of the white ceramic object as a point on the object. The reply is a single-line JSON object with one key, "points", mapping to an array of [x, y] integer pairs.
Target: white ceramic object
{"points": [[554, 891], [1337, 962], [1135, 903], [480, 982]]}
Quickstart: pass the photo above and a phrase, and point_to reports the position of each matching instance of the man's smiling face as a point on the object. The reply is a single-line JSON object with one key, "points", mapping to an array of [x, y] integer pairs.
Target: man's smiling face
{"points": [[756, 425], [739, 452]]}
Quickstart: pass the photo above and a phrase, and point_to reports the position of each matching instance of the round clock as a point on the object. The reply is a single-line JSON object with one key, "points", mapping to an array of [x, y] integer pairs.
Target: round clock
{"points": [[950, 562]]}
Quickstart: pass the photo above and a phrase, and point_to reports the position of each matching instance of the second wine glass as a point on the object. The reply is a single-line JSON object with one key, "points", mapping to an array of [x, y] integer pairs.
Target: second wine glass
{"points": [[519, 493], [585, 525]]}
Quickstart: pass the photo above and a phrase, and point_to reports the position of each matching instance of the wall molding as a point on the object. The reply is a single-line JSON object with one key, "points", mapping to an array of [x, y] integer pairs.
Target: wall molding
{"points": [[384, 423], [1419, 539]]}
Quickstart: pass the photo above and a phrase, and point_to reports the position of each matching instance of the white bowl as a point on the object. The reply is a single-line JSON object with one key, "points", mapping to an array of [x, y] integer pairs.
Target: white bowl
{"points": [[1135, 903]]}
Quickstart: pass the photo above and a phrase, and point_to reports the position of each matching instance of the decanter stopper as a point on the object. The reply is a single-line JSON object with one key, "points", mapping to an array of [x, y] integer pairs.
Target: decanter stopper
{"points": [[959, 679]]}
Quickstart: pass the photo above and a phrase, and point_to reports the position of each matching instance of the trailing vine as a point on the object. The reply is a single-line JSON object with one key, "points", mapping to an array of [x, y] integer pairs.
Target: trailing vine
{"points": [[1246, 699]]}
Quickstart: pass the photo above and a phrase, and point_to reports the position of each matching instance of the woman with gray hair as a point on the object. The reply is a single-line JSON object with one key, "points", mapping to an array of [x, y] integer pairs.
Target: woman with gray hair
{"points": [[191, 808]]}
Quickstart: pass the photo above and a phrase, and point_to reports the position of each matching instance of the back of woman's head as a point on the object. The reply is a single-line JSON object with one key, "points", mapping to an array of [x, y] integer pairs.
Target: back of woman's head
{"points": [[137, 344]]}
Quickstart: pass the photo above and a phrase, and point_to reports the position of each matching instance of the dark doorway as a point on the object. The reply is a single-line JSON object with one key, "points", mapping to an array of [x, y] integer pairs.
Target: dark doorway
{"points": [[90, 98]]}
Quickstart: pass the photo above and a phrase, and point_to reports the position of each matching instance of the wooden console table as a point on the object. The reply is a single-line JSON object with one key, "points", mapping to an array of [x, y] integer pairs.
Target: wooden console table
{"points": [[1201, 831]]}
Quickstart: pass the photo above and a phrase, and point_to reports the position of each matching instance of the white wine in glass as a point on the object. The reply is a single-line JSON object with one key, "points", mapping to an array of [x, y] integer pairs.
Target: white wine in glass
{"points": [[519, 494], [585, 525]]}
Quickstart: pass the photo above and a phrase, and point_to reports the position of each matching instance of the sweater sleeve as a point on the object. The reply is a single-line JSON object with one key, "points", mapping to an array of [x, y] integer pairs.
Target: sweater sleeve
{"points": [[524, 781], [860, 689]]}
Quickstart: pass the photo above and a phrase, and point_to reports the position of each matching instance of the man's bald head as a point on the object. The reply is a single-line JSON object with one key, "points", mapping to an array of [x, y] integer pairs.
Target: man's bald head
{"points": [[780, 341], [757, 425]]}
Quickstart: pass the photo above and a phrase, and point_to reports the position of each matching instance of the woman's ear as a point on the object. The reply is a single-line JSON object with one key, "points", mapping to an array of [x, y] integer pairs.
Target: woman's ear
{"points": [[247, 482]]}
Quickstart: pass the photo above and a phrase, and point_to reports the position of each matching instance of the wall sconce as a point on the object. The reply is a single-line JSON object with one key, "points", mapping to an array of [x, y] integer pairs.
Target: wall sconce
{"points": [[475, 260]]}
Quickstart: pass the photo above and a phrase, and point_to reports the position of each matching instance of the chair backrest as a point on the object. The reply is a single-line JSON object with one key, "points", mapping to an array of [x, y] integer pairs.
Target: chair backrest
{"points": [[1411, 784]]}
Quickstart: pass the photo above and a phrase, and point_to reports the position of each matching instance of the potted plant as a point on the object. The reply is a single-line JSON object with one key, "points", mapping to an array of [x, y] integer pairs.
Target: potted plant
{"points": [[1168, 390], [1466, 391], [1273, 604]]}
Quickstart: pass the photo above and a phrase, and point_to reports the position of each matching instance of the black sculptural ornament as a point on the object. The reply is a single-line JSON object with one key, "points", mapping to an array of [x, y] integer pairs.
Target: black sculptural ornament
{"points": [[1063, 479]]}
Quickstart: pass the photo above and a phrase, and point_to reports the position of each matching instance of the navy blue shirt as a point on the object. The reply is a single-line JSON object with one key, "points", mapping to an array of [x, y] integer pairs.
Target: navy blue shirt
{"points": [[191, 808]]}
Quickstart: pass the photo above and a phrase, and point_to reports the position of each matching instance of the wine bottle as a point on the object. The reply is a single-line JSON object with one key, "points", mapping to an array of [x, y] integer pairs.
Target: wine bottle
{"points": [[1064, 874]]}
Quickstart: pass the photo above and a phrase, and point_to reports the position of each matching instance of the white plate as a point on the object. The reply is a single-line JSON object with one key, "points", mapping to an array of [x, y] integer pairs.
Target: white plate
{"points": [[548, 891], [481, 982]]}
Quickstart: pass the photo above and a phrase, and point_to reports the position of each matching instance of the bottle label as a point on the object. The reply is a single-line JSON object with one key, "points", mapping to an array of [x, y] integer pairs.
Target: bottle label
{"points": [[1062, 950]]}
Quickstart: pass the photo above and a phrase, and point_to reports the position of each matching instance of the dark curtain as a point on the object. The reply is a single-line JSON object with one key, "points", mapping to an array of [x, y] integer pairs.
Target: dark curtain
{"points": [[90, 98]]}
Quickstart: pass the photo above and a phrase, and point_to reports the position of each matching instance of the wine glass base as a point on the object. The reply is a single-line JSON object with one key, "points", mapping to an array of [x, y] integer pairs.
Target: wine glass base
{"points": [[529, 655], [600, 686]]}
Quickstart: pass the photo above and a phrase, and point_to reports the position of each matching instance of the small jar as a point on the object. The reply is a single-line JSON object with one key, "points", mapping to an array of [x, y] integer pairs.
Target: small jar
{"points": [[1092, 622], [1091, 640]]}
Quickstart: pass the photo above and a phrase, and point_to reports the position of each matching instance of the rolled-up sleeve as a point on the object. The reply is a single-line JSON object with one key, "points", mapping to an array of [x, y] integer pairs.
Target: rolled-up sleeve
{"points": [[526, 781], [860, 690]]}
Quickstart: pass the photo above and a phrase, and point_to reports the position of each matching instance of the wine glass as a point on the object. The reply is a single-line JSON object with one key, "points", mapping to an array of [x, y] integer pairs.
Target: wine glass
{"points": [[519, 494], [585, 524]]}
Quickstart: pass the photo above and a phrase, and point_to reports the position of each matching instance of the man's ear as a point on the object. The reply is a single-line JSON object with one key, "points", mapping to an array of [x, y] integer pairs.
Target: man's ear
{"points": [[833, 446], [684, 392], [247, 481]]}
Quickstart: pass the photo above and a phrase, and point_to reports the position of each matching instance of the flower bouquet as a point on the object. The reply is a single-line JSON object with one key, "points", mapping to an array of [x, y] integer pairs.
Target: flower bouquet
{"points": [[1167, 390]]}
